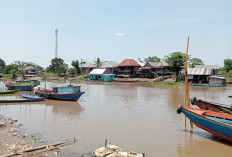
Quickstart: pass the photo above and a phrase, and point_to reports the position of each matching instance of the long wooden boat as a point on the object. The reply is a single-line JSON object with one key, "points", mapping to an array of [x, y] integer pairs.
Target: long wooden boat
{"points": [[211, 106], [21, 100], [69, 92], [22, 85], [230, 96], [218, 124], [206, 85], [27, 96], [9, 91]]}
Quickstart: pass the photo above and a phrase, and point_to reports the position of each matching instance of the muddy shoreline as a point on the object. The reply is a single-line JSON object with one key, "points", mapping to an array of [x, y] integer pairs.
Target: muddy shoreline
{"points": [[13, 140]]}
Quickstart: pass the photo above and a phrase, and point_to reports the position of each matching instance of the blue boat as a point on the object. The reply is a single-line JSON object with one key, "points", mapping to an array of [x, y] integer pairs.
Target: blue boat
{"points": [[216, 123], [61, 93], [22, 85]]}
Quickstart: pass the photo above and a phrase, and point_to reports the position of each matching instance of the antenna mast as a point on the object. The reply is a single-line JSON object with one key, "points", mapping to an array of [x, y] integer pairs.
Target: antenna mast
{"points": [[56, 48]]}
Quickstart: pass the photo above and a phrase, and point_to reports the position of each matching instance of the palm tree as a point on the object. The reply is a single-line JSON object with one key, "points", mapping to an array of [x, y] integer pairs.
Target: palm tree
{"points": [[98, 62]]}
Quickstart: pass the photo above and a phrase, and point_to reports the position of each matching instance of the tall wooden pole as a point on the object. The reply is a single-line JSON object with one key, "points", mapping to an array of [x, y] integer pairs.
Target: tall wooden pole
{"points": [[187, 96]]}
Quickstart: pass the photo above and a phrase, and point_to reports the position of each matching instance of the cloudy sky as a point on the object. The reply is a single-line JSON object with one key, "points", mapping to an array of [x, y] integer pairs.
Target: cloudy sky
{"points": [[114, 29]]}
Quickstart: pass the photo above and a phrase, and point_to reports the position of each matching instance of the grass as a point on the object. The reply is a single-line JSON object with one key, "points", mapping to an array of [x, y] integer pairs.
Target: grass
{"points": [[170, 84], [79, 80], [229, 79]]}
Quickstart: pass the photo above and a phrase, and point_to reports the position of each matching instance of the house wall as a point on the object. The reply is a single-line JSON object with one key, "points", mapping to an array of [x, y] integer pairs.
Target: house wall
{"points": [[217, 81]]}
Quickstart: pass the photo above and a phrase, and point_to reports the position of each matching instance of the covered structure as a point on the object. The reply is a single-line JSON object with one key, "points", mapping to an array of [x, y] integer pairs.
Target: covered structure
{"points": [[112, 66], [101, 75], [29, 70], [128, 67], [215, 67], [87, 67], [217, 81], [200, 75], [155, 69]]}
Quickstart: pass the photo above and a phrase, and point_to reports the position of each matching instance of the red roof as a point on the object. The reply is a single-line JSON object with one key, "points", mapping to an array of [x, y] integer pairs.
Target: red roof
{"points": [[129, 62]]}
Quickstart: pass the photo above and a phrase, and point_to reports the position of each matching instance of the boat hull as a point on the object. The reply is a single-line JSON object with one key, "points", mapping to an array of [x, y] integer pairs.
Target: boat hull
{"points": [[206, 85], [220, 129], [9, 92], [211, 106], [66, 96]]}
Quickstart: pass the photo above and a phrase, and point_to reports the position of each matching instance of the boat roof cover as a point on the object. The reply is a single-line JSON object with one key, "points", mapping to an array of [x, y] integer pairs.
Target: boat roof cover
{"points": [[97, 71]]}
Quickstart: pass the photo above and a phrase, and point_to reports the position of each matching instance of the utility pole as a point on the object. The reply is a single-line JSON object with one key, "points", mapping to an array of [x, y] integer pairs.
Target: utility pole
{"points": [[56, 48]]}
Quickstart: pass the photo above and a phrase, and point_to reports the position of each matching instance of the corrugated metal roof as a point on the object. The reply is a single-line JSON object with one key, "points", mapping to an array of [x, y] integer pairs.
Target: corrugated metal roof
{"points": [[129, 62], [97, 71], [87, 65], [200, 71], [207, 66], [219, 77], [28, 68], [109, 64], [158, 64]]}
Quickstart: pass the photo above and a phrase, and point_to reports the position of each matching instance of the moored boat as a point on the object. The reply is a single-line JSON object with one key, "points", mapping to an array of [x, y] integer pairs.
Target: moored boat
{"points": [[9, 92], [206, 85], [27, 98], [211, 106], [22, 85], [216, 123], [61, 93]]}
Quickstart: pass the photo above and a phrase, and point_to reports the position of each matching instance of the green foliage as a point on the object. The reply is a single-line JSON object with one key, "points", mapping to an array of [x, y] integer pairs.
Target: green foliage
{"points": [[57, 66], [150, 59], [228, 64], [175, 84], [48, 74], [229, 74], [22, 65], [11, 69], [2, 65], [229, 79], [75, 64], [98, 62], [195, 61], [175, 61]]}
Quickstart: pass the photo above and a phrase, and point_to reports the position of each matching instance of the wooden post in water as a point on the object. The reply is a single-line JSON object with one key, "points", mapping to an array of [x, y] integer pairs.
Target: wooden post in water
{"points": [[187, 96]]}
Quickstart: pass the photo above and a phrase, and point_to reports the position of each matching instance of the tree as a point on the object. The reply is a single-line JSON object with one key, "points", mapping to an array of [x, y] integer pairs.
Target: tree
{"points": [[2, 65], [75, 64], [228, 64], [57, 66], [175, 61], [98, 62], [195, 61], [150, 59], [22, 65], [11, 69]]}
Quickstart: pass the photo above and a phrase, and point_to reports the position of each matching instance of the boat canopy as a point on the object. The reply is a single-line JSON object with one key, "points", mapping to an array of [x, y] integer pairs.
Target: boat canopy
{"points": [[63, 90]]}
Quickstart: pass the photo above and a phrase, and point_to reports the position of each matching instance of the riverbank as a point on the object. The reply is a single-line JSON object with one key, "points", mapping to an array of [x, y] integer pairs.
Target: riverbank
{"points": [[14, 143]]}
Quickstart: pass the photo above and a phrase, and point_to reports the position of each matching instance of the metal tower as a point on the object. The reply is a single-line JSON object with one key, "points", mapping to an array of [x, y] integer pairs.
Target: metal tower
{"points": [[56, 49]]}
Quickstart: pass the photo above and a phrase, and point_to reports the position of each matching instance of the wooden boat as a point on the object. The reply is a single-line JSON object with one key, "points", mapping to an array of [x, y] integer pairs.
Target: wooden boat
{"points": [[22, 85], [126, 80], [32, 99], [218, 124], [9, 91], [230, 96], [211, 106], [61, 93], [27, 96], [206, 85]]}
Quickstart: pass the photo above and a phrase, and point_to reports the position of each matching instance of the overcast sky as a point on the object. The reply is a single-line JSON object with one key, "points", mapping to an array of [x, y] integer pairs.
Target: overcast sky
{"points": [[114, 29]]}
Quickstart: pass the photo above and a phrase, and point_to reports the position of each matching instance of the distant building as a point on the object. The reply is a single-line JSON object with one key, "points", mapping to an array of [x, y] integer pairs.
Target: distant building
{"points": [[87, 67], [215, 67], [101, 75], [217, 80], [155, 69], [200, 75], [111, 66], [30, 70], [128, 67]]}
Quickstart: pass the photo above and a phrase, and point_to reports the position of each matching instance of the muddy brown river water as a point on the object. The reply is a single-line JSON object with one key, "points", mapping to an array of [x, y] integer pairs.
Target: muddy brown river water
{"points": [[134, 116]]}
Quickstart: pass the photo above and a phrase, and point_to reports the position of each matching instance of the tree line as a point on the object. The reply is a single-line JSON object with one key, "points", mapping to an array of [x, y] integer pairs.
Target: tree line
{"points": [[58, 65]]}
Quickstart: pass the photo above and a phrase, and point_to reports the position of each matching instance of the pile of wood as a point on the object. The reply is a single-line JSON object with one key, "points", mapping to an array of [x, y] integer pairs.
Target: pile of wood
{"points": [[115, 151]]}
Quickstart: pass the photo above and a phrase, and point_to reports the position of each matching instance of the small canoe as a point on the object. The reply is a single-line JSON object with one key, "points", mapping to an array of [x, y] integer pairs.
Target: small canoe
{"points": [[216, 123], [9, 91], [230, 96], [28, 98], [202, 104]]}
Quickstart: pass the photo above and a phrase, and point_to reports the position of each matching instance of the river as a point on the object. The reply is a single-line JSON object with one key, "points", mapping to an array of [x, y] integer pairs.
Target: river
{"points": [[135, 116]]}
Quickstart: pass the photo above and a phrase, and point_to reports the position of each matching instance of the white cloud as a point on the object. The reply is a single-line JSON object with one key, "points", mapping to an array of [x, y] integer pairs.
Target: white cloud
{"points": [[119, 34]]}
